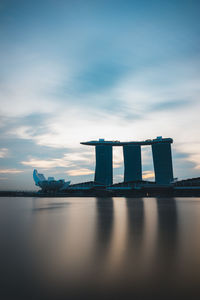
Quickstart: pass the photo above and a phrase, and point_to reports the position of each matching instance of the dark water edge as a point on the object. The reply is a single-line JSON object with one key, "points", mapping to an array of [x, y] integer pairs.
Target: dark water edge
{"points": [[133, 193], [99, 248]]}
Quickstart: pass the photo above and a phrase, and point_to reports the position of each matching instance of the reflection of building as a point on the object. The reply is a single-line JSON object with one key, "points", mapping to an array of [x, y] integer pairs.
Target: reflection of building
{"points": [[49, 184], [162, 159], [167, 256], [105, 215]]}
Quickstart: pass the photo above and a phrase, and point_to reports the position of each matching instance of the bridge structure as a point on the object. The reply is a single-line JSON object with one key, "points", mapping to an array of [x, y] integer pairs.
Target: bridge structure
{"points": [[162, 160]]}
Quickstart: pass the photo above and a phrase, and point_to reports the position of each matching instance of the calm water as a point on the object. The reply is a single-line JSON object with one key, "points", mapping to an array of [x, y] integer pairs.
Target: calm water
{"points": [[108, 248]]}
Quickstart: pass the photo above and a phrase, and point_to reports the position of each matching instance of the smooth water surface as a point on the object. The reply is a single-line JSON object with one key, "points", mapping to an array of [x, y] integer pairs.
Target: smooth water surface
{"points": [[85, 248]]}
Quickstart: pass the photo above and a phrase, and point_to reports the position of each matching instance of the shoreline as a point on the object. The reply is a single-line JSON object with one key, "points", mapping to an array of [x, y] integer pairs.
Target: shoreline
{"points": [[133, 193]]}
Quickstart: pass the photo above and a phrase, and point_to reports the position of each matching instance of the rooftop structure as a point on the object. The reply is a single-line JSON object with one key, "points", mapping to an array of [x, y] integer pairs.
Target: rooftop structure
{"points": [[159, 139]]}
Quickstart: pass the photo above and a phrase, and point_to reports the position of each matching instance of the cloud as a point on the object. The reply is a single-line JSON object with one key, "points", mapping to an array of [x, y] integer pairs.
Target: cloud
{"points": [[69, 160], [3, 152], [195, 159], [117, 164], [123, 111], [47, 164], [119, 177], [148, 175], [171, 105], [28, 88], [10, 171], [82, 156], [79, 172], [117, 157]]}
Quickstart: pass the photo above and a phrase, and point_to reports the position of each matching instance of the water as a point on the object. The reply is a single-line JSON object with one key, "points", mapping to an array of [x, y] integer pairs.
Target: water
{"points": [[107, 248]]}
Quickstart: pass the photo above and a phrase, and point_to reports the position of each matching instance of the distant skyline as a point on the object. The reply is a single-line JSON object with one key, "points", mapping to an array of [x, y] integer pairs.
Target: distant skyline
{"points": [[73, 71]]}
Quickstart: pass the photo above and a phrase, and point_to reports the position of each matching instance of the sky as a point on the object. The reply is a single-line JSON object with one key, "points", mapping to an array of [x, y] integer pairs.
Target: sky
{"points": [[73, 71]]}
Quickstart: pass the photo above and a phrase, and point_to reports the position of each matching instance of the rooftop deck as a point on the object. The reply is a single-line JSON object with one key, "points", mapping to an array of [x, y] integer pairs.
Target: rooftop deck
{"points": [[118, 143]]}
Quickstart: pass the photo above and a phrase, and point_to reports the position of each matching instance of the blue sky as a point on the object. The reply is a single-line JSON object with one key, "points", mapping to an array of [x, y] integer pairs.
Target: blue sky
{"points": [[73, 71]]}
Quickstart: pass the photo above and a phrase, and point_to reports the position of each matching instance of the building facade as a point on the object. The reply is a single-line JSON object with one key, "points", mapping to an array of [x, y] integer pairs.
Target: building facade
{"points": [[104, 165], [162, 160], [132, 163]]}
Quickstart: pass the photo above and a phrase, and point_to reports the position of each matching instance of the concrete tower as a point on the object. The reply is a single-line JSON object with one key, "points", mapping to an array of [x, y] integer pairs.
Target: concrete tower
{"points": [[103, 170], [162, 160], [132, 163]]}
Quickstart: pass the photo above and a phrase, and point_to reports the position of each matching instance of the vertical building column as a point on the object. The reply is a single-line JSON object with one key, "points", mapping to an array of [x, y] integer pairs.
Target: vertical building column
{"points": [[132, 163], [104, 170], [162, 160]]}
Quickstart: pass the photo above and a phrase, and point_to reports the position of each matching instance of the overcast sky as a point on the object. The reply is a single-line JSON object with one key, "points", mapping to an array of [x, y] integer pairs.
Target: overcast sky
{"points": [[73, 71]]}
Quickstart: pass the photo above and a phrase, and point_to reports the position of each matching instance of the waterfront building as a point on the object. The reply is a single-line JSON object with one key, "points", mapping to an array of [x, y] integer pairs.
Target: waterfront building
{"points": [[104, 169], [49, 184], [132, 163], [162, 159]]}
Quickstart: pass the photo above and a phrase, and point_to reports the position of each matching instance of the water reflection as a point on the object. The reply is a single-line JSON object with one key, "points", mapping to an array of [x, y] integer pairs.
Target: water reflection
{"points": [[104, 221], [49, 207], [164, 260], [140, 243], [167, 239], [135, 218], [134, 254], [88, 247]]}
